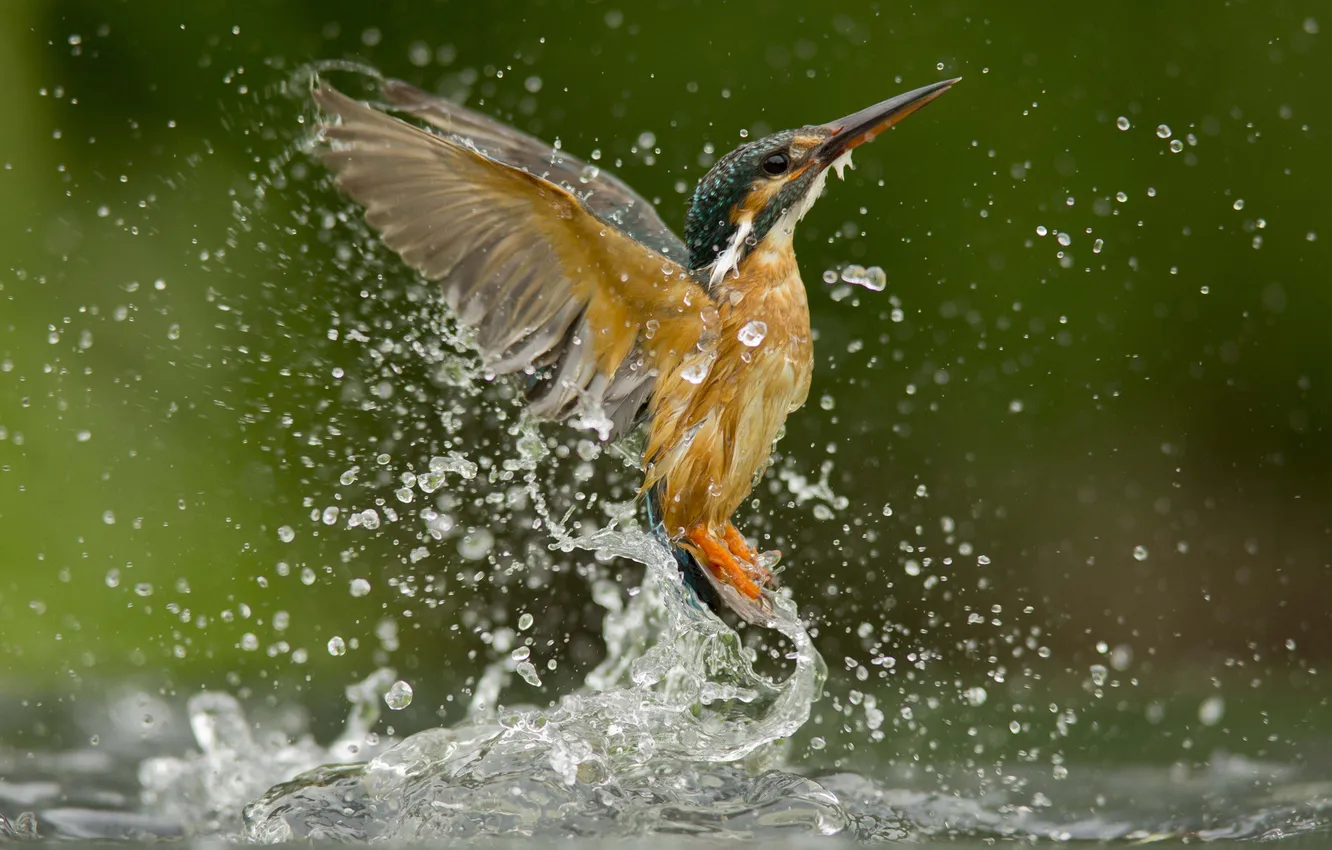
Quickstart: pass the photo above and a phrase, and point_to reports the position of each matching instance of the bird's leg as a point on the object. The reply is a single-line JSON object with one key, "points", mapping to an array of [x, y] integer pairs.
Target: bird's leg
{"points": [[756, 565], [719, 559], [738, 545]]}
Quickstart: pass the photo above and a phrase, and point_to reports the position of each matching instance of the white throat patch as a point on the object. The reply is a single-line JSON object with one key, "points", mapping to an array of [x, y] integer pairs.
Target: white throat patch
{"points": [[729, 260], [806, 203]]}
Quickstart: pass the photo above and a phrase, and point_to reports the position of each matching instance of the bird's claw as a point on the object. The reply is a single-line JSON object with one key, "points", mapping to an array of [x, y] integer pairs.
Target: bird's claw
{"points": [[732, 561]]}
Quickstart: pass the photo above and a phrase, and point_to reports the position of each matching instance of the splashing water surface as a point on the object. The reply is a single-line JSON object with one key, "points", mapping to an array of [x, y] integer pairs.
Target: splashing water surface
{"points": [[641, 747], [674, 733]]}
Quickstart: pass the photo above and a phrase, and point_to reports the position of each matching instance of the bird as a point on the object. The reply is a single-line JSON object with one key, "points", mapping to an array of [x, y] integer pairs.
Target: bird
{"points": [[572, 281]]}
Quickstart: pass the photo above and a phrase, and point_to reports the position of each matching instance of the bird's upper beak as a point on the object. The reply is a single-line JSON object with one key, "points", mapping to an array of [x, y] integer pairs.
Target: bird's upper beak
{"points": [[860, 127]]}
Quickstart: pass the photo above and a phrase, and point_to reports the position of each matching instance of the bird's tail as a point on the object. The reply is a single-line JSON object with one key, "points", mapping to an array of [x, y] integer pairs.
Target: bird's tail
{"points": [[690, 569]]}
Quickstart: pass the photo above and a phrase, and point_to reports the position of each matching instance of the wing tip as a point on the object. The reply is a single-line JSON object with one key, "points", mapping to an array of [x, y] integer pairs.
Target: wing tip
{"points": [[330, 100], [403, 94]]}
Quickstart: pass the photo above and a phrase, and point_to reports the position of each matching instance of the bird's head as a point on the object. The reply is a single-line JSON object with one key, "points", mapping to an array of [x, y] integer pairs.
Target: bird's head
{"points": [[762, 188]]}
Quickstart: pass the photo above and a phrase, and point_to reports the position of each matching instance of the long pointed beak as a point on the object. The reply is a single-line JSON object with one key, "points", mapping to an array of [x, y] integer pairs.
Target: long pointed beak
{"points": [[860, 127]]}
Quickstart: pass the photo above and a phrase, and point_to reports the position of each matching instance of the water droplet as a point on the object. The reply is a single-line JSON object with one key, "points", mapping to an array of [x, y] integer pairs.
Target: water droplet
{"points": [[1238, 205], [337, 646], [1099, 673], [285, 534], [975, 696], [360, 587], [872, 278], [753, 333], [1121, 657], [529, 673], [1015, 406], [476, 545], [829, 275], [1122, 123], [1211, 710], [1064, 239], [249, 642], [522, 653], [525, 622], [1040, 230], [1176, 146], [398, 696], [454, 462], [1121, 196], [695, 372], [876, 280], [1163, 131], [1097, 246]]}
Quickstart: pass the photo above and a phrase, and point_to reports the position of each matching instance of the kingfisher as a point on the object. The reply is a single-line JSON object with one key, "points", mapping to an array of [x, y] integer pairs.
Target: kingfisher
{"points": [[570, 279]]}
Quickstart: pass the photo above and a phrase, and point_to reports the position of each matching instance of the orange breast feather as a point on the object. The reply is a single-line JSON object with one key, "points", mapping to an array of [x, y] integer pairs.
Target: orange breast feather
{"points": [[710, 436]]}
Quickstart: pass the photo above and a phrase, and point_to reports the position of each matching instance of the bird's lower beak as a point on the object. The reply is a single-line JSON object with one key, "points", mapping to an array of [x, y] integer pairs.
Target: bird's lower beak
{"points": [[860, 127]]}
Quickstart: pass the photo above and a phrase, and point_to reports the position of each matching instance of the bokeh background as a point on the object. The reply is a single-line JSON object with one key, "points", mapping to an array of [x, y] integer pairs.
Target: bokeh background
{"points": [[1076, 454]]}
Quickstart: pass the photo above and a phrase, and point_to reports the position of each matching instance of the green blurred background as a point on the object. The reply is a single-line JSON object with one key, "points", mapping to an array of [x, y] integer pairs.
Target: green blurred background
{"points": [[1104, 398]]}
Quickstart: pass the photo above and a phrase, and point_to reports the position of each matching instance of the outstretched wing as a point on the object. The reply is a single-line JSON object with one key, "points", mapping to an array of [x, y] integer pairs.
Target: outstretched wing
{"points": [[545, 283], [604, 194]]}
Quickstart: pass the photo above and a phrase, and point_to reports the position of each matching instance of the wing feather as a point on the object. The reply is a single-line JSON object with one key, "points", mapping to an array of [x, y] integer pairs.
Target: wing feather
{"points": [[544, 281], [605, 195]]}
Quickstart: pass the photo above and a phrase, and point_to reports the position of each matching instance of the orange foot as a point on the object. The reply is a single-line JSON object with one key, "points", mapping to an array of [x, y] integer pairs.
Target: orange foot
{"points": [[733, 567], [740, 548]]}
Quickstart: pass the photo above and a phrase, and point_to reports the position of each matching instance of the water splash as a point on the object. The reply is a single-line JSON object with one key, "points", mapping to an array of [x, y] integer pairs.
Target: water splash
{"points": [[206, 791], [664, 728]]}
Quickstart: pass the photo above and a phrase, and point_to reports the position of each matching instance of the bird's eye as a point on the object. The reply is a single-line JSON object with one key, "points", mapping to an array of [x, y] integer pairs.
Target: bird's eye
{"points": [[776, 163]]}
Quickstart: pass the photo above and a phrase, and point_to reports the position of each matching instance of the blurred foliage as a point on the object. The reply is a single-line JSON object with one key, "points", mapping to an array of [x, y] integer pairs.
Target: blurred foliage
{"points": [[1103, 399]]}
